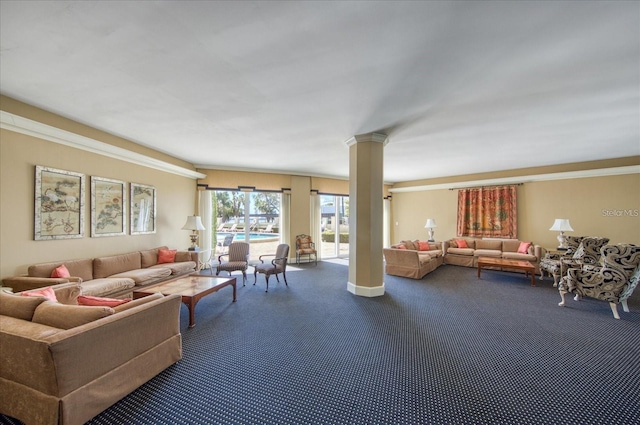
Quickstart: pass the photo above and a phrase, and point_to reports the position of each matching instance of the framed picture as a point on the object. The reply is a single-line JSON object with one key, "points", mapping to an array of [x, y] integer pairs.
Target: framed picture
{"points": [[143, 209], [59, 204], [108, 207]]}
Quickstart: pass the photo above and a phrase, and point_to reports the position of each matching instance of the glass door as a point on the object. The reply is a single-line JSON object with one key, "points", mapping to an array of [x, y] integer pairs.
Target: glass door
{"points": [[334, 226]]}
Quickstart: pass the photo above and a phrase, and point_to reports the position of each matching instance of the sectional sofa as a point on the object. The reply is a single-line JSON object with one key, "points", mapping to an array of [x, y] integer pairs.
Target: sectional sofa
{"points": [[111, 276], [407, 259], [64, 363], [468, 255]]}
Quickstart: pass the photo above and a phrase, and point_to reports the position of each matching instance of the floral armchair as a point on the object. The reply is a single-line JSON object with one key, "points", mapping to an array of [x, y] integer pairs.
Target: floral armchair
{"points": [[305, 246], [614, 281], [551, 263]]}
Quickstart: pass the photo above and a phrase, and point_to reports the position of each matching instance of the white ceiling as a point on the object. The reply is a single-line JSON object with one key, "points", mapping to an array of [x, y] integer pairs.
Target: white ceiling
{"points": [[459, 87]]}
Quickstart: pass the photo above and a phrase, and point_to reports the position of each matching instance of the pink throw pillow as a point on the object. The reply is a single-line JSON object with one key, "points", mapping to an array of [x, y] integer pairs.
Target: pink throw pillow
{"points": [[100, 301], [524, 247], [462, 243], [44, 292], [166, 256], [60, 271], [424, 246]]}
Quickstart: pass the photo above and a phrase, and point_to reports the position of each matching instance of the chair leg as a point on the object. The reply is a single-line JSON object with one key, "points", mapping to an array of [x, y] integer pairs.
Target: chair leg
{"points": [[284, 275], [244, 276], [555, 281], [277, 278], [255, 276], [266, 278], [614, 309], [562, 294], [625, 307]]}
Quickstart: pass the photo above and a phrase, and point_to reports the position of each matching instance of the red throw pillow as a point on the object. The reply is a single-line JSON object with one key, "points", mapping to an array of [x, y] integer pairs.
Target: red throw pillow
{"points": [[44, 292], [424, 246], [401, 246], [462, 243], [60, 271], [166, 256], [524, 247], [100, 301]]}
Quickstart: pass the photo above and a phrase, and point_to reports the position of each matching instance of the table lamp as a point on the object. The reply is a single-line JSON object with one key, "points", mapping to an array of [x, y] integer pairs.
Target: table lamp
{"points": [[431, 223], [562, 225], [194, 224]]}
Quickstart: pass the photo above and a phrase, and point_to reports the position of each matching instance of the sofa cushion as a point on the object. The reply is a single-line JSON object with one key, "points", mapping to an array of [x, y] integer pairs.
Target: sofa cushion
{"points": [[99, 287], [510, 245], [411, 245], [434, 253], [177, 268], [521, 257], [460, 251], [487, 253], [137, 302], [491, 244], [61, 271], [101, 301], [143, 275], [13, 305], [109, 266], [166, 256], [182, 256], [43, 292], [149, 257], [77, 268], [68, 316]]}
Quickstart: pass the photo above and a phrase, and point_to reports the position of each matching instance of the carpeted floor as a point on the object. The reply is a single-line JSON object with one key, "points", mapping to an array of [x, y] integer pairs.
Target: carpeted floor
{"points": [[447, 349]]}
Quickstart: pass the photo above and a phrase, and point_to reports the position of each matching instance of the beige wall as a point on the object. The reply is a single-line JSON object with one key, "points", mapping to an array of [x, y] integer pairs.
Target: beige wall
{"points": [[18, 156], [595, 206]]}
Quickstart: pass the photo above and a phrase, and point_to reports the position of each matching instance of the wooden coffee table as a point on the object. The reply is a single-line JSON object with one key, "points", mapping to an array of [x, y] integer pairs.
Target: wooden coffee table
{"points": [[190, 288], [504, 263]]}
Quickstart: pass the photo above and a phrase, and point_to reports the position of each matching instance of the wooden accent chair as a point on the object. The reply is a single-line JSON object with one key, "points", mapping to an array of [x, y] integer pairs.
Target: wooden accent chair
{"points": [[276, 266], [238, 260], [305, 246]]}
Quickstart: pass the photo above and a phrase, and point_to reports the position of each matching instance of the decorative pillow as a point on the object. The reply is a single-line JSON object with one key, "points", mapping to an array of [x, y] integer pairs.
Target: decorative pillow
{"points": [[166, 255], [401, 246], [100, 301], [60, 271], [424, 246], [63, 316], [44, 292], [13, 305], [524, 247], [462, 243]]}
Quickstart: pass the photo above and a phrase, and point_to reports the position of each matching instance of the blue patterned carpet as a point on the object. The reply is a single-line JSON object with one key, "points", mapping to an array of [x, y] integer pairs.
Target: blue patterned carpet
{"points": [[447, 349]]}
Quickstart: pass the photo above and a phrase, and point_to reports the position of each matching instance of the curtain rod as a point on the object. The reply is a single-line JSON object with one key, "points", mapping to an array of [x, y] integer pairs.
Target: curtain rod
{"points": [[478, 187]]}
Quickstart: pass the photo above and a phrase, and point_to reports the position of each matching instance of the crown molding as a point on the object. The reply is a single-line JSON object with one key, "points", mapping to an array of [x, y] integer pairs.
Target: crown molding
{"points": [[600, 172], [18, 124]]}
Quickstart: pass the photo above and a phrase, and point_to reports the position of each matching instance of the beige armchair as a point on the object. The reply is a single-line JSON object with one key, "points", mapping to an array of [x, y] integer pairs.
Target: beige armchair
{"points": [[276, 266], [237, 260], [614, 281]]}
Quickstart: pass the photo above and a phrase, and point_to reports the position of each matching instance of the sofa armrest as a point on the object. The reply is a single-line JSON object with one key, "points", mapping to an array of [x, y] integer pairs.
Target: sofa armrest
{"points": [[25, 283], [402, 257], [538, 252]]}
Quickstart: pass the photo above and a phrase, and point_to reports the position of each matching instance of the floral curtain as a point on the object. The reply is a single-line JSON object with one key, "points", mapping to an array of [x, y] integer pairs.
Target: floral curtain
{"points": [[488, 212]]}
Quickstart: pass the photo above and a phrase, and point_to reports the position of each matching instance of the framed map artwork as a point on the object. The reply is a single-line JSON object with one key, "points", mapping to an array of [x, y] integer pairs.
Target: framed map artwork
{"points": [[59, 204], [108, 207]]}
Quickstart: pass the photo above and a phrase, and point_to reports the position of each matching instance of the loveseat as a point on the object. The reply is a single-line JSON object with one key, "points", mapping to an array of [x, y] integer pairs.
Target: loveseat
{"points": [[111, 276], [64, 363], [413, 259], [498, 248]]}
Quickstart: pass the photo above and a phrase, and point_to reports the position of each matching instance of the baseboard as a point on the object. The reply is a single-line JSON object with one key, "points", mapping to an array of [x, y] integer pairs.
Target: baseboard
{"points": [[366, 291]]}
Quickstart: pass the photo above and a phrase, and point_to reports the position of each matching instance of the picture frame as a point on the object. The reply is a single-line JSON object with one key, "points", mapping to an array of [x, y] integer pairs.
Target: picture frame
{"points": [[59, 204], [108, 207], [142, 209]]}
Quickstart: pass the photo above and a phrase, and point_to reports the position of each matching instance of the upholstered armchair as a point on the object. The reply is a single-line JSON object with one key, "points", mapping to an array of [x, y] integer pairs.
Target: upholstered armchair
{"points": [[305, 246], [588, 253], [237, 260], [551, 263], [276, 266], [614, 281]]}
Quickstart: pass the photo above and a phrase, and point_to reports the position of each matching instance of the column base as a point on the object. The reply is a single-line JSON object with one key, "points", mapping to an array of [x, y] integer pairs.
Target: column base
{"points": [[365, 291]]}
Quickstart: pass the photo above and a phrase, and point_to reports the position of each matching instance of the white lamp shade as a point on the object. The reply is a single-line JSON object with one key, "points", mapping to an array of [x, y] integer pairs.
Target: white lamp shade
{"points": [[561, 225], [430, 223], [193, 223]]}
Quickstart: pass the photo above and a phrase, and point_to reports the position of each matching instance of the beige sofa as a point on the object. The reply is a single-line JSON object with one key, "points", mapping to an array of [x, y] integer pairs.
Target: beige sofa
{"points": [[497, 248], [112, 276], [411, 262], [63, 363]]}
